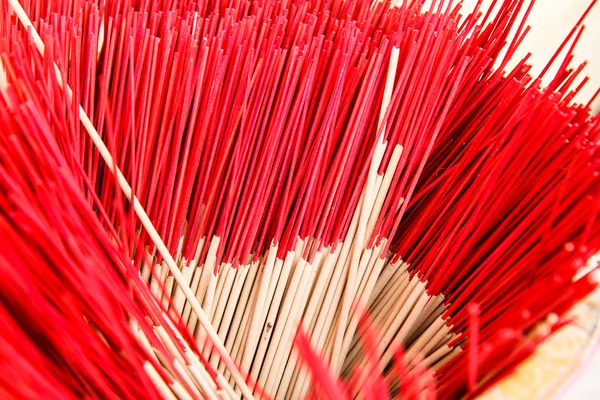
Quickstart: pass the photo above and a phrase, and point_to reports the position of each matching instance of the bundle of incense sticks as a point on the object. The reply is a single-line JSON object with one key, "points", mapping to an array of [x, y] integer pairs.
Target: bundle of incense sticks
{"points": [[285, 198]]}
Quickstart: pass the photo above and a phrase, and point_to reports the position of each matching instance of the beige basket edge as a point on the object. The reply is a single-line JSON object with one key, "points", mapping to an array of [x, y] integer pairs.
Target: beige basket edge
{"points": [[555, 361]]}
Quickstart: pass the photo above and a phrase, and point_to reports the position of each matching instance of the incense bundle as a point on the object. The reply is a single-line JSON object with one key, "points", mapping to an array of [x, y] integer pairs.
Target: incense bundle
{"points": [[286, 198]]}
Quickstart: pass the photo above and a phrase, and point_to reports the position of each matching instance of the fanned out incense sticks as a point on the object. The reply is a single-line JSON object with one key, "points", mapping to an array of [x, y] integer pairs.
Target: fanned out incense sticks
{"points": [[369, 173], [100, 332]]}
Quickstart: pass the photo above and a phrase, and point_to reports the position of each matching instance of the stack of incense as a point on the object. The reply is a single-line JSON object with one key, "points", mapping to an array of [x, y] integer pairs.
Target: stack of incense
{"points": [[286, 198]]}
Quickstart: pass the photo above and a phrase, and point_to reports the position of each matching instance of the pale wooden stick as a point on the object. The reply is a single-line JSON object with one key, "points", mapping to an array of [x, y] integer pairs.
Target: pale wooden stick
{"points": [[390, 320], [452, 352], [429, 339], [284, 268], [198, 371], [353, 271], [384, 309], [237, 350], [189, 358], [235, 336], [399, 319], [389, 84], [160, 385], [417, 309], [316, 299], [208, 300], [146, 272], [230, 393], [369, 259], [302, 386], [222, 277], [239, 346], [187, 308], [226, 279], [431, 312], [273, 301], [202, 381], [290, 366], [179, 256], [177, 363], [4, 81], [205, 389], [376, 264], [279, 290], [384, 187], [155, 281], [275, 354], [224, 396], [162, 280], [203, 286], [407, 325], [439, 353], [333, 293], [391, 305], [328, 309], [402, 321], [233, 303], [139, 210], [168, 291], [384, 184], [381, 313], [209, 264], [194, 368], [328, 348], [364, 292], [259, 313], [370, 212], [179, 297], [390, 290], [326, 338], [436, 335], [389, 272]]}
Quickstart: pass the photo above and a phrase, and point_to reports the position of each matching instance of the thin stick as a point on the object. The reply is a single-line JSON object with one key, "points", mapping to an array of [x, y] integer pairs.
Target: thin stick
{"points": [[276, 353], [315, 302], [290, 367], [195, 280], [284, 267], [224, 286], [237, 302], [206, 273], [240, 323], [162, 387], [259, 313]]}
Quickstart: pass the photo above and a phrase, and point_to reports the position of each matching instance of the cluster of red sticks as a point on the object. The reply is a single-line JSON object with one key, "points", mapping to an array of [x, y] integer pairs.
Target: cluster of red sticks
{"points": [[186, 185]]}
